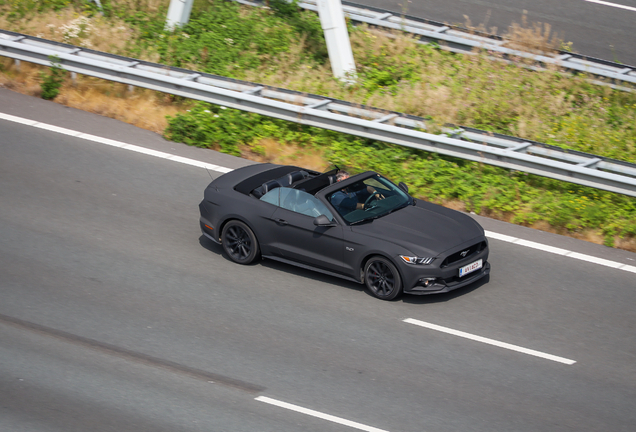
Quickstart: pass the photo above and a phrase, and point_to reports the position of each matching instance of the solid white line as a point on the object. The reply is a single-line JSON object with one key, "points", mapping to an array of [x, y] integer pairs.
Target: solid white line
{"points": [[114, 143], [490, 341], [57, 129], [318, 414], [217, 168], [18, 119], [604, 3], [559, 251]]}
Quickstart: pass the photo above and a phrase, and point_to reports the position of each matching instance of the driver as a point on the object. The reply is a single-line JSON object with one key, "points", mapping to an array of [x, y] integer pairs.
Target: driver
{"points": [[347, 200]]}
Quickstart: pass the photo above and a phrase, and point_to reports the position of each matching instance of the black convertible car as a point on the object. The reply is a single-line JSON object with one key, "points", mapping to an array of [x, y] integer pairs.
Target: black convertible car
{"points": [[363, 228]]}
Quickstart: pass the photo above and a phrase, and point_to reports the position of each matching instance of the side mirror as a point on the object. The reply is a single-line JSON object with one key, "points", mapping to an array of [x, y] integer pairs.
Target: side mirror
{"points": [[404, 187], [323, 221]]}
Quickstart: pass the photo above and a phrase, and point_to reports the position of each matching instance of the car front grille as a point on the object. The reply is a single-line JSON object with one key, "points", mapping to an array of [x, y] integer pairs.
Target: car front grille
{"points": [[464, 253]]}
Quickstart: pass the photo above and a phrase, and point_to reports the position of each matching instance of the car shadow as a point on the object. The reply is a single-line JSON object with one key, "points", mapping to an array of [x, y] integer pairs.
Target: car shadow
{"points": [[216, 248], [208, 244], [310, 274]]}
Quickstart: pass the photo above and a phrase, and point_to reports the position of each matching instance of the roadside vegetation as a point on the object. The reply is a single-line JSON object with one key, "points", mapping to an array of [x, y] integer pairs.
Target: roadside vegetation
{"points": [[284, 47]]}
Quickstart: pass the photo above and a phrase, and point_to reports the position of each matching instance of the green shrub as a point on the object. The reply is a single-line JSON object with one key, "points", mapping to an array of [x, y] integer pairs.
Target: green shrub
{"points": [[227, 39], [305, 24], [226, 129], [52, 81]]}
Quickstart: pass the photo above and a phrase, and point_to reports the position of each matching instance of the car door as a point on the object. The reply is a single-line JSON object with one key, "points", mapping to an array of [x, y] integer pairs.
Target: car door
{"points": [[296, 237]]}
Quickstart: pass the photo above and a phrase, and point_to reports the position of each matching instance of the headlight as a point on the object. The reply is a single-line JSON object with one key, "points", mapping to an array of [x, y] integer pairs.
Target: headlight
{"points": [[417, 260]]}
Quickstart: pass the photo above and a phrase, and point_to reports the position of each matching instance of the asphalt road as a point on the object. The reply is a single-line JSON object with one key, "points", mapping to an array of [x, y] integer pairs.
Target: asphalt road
{"points": [[115, 315], [598, 29]]}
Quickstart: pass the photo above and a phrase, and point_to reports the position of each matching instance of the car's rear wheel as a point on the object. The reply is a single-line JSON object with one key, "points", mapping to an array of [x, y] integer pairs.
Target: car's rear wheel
{"points": [[382, 278], [239, 242]]}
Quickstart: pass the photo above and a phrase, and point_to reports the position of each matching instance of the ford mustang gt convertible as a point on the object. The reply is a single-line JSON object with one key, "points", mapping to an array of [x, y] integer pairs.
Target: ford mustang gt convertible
{"points": [[363, 228]]}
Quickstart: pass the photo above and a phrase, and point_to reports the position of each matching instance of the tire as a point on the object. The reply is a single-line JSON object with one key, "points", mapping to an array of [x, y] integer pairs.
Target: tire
{"points": [[239, 242], [382, 278]]}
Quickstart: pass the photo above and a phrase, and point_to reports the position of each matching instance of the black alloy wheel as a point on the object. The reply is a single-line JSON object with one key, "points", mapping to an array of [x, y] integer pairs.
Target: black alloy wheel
{"points": [[239, 242], [382, 278]]}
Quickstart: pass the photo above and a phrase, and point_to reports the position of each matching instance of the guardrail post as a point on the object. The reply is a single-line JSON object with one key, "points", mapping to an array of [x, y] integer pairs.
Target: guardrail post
{"points": [[99, 6], [178, 13], [337, 38]]}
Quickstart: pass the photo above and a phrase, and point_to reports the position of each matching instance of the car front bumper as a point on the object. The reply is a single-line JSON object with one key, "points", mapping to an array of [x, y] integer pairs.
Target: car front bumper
{"points": [[423, 279], [441, 284]]}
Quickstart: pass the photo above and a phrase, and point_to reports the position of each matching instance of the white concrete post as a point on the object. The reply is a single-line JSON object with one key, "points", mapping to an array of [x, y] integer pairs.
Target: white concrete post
{"points": [[337, 37], [178, 13]]}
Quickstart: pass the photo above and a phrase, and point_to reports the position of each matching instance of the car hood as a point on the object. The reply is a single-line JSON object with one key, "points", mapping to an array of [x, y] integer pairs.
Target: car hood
{"points": [[425, 229]]}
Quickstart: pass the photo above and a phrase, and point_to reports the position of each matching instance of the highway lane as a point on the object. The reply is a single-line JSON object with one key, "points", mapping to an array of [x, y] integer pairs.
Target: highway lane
{"points": [[51, 385], [103, 244], [596, 29]]}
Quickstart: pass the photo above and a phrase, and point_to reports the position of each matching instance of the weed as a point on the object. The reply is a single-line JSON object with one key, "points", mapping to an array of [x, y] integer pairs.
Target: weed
{"points": [[52, 81], [537, 38]]}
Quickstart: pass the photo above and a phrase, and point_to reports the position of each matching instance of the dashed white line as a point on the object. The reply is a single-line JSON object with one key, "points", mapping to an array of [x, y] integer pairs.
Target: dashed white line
{"points": [[217, 168], [490, 341], [604, 3], [318, 414]]}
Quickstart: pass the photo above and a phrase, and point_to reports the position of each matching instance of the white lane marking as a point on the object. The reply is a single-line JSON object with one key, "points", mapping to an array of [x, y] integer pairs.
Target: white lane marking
{"points": [[114, 143], [490, 341], [604, 3], [318, 414], [559, 251], [221, 169]]}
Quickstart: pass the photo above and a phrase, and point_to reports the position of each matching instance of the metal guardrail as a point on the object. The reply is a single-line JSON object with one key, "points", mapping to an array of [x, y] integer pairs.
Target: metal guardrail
{"points": [[313, 110], [456, 39]]}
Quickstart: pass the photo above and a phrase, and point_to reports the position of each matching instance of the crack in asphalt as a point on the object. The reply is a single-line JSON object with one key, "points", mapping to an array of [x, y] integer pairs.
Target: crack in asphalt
{"points": [[133, 355]]}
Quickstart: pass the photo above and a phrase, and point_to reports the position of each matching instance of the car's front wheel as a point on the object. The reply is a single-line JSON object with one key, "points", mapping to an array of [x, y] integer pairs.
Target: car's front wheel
{"points": [[382, 278], [239, 242]]}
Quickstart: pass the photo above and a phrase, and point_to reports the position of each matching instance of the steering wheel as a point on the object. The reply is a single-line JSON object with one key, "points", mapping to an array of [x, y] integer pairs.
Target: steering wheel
{"points": [[375, 195]]}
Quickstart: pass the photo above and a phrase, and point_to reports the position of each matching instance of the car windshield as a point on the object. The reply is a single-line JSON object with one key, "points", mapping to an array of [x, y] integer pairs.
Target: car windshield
{"points": [[368, 199]]}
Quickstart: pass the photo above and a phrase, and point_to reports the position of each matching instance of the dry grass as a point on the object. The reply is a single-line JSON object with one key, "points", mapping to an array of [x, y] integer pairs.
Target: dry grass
{"points": [[589, 235], [269, 150], [431, 93], [537, 38], [455, 205], [628, 244], [150, 6], [140, 107], [69, 27]]}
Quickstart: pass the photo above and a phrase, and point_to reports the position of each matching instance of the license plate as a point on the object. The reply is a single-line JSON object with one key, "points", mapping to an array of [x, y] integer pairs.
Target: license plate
{"points": [[463, 271]]}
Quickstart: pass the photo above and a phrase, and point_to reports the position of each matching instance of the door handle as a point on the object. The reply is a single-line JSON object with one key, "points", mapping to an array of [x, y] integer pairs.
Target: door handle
{"points": [[281, 221]]}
